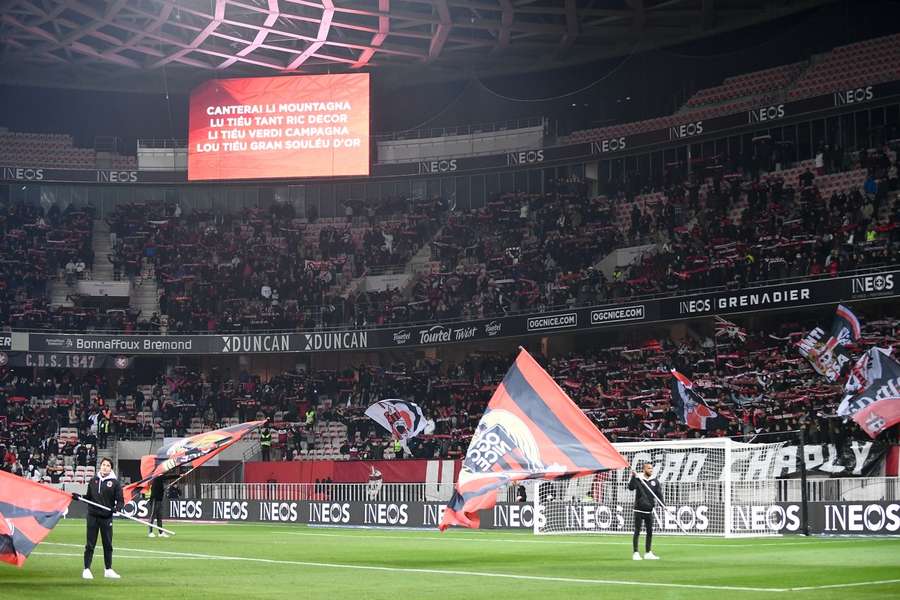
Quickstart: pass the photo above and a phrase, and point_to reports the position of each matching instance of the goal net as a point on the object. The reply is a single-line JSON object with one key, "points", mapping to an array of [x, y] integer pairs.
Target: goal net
{"points": [[710, 486]]}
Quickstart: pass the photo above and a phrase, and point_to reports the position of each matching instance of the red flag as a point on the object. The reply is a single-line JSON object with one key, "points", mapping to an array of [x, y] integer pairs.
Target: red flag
{"points": [[193, 451], [28, 511], [530, 430], [690, 408]]}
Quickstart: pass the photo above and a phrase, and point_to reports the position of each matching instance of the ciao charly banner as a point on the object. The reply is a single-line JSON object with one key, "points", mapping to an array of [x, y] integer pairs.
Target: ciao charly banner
{"points": [[764, 298], [688, 465]]}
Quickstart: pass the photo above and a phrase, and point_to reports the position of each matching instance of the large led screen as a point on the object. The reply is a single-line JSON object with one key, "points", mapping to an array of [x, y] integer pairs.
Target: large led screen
{"points": [[279, 127]]}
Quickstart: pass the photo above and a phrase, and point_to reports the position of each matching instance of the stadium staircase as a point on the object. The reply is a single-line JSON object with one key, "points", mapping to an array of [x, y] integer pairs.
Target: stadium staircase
{"points": [[59, 292], [145, 293], [102, 269]]}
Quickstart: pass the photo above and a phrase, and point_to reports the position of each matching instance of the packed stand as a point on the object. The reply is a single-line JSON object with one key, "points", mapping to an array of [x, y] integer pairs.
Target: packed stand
{"points": [[264, 269], [39, 245], [536, 252], [51, 428]]}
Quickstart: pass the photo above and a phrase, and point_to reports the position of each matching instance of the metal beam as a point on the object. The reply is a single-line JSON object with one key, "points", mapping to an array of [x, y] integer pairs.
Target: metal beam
{"points": [[261, 34], [218, 16], [506, 21], [324, 27], [571, 33], [384, 27], [441, 32]]}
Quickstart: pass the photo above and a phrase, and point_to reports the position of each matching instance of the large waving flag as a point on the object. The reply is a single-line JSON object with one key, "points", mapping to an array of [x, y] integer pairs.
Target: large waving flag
{"points": [[867, 369], [877, 407], [28, 511], [191, 451], [402, 418], [530, 430], [689, 407], [846, 328], [827, 355]]}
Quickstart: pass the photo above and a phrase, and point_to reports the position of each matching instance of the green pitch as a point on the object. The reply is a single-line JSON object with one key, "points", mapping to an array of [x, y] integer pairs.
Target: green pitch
{"points": [[291, 561]]}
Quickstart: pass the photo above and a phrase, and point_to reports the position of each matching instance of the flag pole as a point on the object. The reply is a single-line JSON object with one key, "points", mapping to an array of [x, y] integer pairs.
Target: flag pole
{"points": [[121, 514], [182, 476]]}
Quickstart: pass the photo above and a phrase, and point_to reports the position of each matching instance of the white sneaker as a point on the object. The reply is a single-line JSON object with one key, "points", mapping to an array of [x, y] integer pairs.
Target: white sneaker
{"points": [[650, 556], [151, 534], [110, 574], [636, 556], [86, 574], [164, 534]]}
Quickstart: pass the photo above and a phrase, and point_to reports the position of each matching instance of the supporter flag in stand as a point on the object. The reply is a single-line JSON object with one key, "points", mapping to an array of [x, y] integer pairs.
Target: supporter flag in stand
{"points": [[28, 511], [729, 329], [867, 369], [404, 419], [827, 355], [877, 407], [689, 407], [191, 451], [530, 430]]}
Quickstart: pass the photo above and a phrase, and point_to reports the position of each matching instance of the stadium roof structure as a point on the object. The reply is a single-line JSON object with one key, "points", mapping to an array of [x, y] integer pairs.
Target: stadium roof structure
{"points": [[149, 45]]}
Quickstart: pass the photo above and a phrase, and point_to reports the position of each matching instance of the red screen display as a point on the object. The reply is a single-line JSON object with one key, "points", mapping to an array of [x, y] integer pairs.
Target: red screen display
{"points": [[303, 126]]}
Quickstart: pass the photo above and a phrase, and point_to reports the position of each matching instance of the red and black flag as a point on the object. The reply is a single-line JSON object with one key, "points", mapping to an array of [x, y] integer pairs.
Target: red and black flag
{"points": [[530, 430], [191, 451], [28, 511], [689, 407], [827, 354], [877, 406], [404, 419]]}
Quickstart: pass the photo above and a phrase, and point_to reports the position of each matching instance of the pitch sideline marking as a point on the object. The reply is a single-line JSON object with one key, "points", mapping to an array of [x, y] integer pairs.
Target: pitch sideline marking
{"points": [[842, 585], [541, 578], [545, 541]]}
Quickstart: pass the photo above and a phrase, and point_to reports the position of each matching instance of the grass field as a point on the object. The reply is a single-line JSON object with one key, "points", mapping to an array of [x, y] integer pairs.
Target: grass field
{"points": [[291, 561]]}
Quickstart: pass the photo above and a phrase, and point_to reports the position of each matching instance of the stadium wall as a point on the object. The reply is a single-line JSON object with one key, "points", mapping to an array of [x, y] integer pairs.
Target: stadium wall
{"points": [[352, 471], [689, 132], [827, 518], [50, 349], [854, 459]]}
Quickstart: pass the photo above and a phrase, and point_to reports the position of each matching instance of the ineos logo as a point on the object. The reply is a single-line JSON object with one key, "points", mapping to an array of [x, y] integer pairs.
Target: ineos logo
{"points": [[873, 284], [855, 96], [437, 166], [686, 130], [186, 509], [23, 174], [767, 113], [610, 145], [326, 512], [386, 514], [524, 158]]}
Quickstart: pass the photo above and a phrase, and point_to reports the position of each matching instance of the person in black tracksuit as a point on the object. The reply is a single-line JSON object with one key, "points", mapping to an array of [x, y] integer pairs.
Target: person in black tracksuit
{"points": [[647, 492], [104, 489], [157, 495]]}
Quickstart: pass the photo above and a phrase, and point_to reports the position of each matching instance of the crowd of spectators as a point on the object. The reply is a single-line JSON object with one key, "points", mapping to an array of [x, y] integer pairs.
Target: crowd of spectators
{"points": [[722, 225], [264, 269], [53, 424], [759, 384], [534, 252], [38, 245]]}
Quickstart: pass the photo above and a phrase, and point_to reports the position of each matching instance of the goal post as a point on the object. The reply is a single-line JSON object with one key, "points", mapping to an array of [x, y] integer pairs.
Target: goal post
{"points": [[711, 486]]}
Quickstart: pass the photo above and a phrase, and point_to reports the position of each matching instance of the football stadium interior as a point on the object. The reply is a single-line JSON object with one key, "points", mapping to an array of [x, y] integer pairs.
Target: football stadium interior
{"points": [[449, 298]]}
